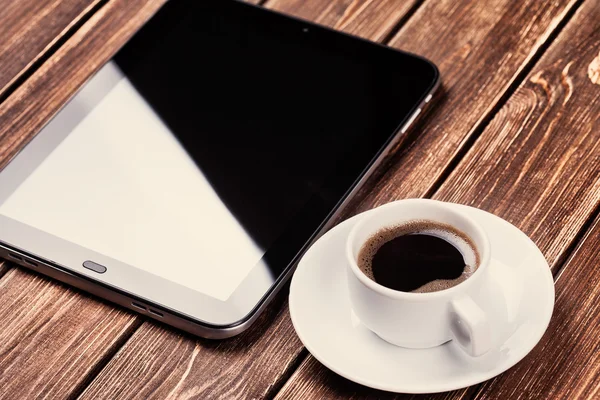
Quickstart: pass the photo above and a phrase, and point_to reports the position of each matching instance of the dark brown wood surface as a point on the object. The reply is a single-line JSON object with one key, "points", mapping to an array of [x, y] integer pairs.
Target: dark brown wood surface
{"points": [[51, 337], [535, 163], [158, 363], [3, 268], [481, 48], [29, 29]]}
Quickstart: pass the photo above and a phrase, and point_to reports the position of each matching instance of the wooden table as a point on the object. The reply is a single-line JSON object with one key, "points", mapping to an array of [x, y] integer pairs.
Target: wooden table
{"points": [[516, 132]]}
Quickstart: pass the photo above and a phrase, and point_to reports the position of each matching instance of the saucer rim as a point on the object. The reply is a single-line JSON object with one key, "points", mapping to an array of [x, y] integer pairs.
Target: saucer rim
{"points": [[433, 387]]}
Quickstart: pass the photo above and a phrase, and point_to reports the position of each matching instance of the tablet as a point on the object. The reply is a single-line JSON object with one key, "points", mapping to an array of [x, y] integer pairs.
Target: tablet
{"points": [[186, 178]]}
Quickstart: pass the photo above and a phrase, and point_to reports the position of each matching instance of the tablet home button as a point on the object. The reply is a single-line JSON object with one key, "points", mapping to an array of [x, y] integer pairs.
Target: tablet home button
{"points": [[95, 267]]}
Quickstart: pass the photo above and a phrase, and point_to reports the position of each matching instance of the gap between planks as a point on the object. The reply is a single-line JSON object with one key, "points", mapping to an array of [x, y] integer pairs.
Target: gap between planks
{"points": [[577, 240], [4, 268], [124, 338], [52, 47], [402, 21], [486, 119]]}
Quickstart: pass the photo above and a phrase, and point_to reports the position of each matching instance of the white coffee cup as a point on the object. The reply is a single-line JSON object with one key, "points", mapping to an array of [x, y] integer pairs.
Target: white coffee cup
{"points": [[421, 320]]}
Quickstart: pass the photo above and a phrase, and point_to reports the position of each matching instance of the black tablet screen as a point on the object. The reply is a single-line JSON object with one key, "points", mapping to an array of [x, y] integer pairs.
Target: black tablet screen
{"points": [[279, 117]]}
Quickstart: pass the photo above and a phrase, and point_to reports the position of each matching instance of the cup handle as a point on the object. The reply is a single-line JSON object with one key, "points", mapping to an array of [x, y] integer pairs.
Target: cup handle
{"points": [[470, 327]]}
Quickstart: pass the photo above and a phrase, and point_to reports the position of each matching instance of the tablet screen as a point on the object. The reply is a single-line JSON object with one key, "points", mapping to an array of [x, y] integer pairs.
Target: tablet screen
{"points": [[215, 140], [121, 184]]}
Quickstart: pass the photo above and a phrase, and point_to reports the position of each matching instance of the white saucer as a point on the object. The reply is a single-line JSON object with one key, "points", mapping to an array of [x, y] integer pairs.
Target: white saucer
{"points": [[522, 292]]}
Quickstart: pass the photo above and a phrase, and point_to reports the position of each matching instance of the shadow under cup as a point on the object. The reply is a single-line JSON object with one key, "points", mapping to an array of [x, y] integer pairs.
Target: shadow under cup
{"points": [[420, 320]]}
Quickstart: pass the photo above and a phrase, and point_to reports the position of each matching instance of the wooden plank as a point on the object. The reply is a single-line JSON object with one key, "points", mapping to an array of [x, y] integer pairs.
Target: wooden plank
{"points": [[537, 165], [51, 337], [557, 154], [159, 363], [189, 372], [538, 162], [480, 49], [373, 20], [3, 268], [29, 28]]}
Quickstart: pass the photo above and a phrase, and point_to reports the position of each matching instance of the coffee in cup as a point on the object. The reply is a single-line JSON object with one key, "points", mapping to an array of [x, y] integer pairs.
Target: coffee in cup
{"points": [[420, 257], [417, 273]]}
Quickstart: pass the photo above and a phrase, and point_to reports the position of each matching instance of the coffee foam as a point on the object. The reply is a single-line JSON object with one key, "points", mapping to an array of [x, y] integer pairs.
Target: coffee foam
{"points": [[458, 239]]}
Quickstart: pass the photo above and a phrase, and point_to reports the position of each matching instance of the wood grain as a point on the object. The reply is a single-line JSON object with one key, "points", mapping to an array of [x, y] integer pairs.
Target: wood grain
{"points": [[318, 382], [159, 363], [541, 159], [3, 268], [537, 165], [538, 162], [191, 372], [51, 337], [480, 49], [370, 19], [29, 28]]}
